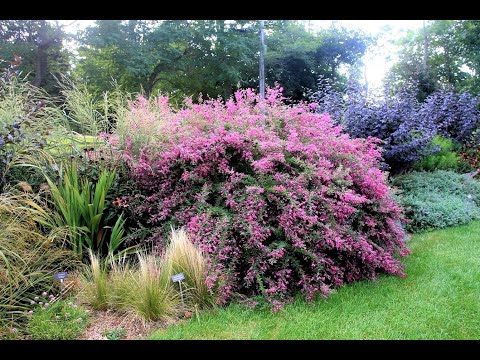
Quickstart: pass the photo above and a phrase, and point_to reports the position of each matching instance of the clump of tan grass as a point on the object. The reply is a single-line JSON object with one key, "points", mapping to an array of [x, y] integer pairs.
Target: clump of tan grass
{"points": [[143, 288]]}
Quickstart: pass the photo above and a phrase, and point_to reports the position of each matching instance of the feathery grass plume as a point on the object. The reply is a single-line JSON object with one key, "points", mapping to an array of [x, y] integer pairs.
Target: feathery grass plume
{"points": [[80, 109], [121, 281], [183, 256], [154, 298], [95, 283]]}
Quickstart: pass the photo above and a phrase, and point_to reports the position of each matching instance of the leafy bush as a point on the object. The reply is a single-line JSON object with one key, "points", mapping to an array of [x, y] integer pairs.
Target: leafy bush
{"points": [[445, 159], [289, 204], [63, 320], [438, 199], [456, 115], [397, 119], [28, 119], [471, 158], [405, 125]]}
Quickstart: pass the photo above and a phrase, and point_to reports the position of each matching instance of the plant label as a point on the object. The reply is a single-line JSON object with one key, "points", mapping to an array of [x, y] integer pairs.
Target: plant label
{"points": [[178, 277], [61, 275]]}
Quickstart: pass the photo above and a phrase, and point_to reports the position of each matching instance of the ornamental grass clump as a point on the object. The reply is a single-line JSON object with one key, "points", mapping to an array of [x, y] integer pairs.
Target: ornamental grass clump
{"points": [[153, 295], [182, 256], [30, 253], [95, 283], [278, 198]]}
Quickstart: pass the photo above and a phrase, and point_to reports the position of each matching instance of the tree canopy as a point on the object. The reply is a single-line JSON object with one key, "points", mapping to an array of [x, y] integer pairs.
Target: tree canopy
{"points": [[445, 53], [38, 46], [212, 57]]}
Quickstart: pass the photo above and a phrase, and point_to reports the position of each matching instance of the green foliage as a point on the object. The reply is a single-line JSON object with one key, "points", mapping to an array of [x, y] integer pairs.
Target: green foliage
{"points": [[451, 50], [445, 159], [29, 119], [81, 111], [116, 237], [153, 56], [81, 205], [438, 199], [296, 58], [471, 158], [29, 253], [35, 44], [61, 321]]}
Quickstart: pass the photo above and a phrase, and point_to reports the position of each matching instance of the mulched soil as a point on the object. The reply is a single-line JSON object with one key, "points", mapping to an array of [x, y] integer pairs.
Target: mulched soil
{"points": [[102, 321]]}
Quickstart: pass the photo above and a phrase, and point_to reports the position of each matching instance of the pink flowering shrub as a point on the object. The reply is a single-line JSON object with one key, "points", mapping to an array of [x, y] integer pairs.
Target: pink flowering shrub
{"points": [[280, 202]]}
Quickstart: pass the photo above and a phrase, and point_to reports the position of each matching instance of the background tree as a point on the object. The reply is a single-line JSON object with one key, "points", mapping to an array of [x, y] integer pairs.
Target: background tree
{"points": [[180, 57], [213, 57], [296, 58], [39, 44], [442, 54]]}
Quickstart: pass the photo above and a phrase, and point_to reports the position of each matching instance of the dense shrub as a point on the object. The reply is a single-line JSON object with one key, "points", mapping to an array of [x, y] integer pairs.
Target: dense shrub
{"points": [[396, 119], [438, 199], [471, 157], [445, 159], [405, 125], [292, 204], [456, 115], [19, 145]]}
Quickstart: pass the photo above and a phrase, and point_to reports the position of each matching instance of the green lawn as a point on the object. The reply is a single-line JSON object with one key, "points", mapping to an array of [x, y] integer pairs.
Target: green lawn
{"points": [[439, 299], [58, 146]]}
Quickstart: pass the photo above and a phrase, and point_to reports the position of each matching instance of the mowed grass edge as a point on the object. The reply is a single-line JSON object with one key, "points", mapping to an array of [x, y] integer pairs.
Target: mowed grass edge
{"points": [[439, 299]]}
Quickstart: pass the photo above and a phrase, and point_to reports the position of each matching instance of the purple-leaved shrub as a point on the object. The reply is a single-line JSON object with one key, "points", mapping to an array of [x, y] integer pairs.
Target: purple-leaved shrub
{"points": [[405, 125], [279, 202], [397, 119]]}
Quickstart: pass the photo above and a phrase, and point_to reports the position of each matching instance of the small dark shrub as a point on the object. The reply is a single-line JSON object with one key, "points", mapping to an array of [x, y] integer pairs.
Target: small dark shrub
{"points": [[445, 159]]}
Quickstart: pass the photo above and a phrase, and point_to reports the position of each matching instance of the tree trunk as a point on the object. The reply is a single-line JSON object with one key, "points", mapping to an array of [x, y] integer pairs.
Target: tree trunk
{"points": [[425, 50], [42, 57]]}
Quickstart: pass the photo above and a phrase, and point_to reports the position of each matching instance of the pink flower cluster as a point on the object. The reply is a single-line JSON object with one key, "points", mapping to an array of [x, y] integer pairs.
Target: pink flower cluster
{"points": [[278, 197]]}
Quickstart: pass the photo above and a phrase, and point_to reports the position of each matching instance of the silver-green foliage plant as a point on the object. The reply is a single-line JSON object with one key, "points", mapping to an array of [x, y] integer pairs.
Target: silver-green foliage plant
{"points": [[438, 199]]}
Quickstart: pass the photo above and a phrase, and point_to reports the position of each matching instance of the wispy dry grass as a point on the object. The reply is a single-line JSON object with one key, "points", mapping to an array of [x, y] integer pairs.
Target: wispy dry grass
{"points": [[143, 288], [183, 256]]}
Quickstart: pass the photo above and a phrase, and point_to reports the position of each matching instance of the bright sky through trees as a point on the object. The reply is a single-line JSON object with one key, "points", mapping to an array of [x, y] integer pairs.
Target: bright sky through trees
{"points": [[378, 60]]}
